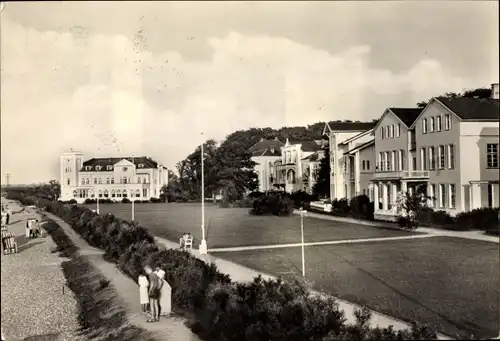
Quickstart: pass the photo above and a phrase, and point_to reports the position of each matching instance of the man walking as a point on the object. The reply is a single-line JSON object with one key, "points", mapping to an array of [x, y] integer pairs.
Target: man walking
{"points": [[155, 285]]}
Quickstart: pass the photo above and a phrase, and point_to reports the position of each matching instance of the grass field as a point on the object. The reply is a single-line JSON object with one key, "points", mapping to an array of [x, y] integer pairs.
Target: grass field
{"points": [[448, 281], [235, 227]]}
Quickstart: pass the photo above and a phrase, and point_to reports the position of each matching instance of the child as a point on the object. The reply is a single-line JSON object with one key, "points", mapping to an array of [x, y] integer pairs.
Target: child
{"points": [[143, 292]]}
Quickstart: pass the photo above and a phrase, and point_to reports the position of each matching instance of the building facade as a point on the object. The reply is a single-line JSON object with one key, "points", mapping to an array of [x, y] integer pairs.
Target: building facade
{"points": [[310, 166], [265, 153], [135, 178], [342, 136]]}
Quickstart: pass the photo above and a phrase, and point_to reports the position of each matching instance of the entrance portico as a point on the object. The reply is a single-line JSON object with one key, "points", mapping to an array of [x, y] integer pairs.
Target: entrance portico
{"points": [[482, 194], [388, 185]]}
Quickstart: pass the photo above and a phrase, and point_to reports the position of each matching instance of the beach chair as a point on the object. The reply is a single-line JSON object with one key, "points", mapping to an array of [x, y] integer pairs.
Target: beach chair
{"points": [[188, 242], [9, 242]]}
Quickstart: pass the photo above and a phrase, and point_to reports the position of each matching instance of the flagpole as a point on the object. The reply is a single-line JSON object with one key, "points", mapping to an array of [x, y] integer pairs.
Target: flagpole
{"points": [[203, 243]]}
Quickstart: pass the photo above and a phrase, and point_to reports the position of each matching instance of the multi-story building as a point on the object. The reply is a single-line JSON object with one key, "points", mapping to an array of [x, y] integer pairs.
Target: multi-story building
{"points": [[264, 154], [289, 169], [343, 136], [359, 166], [396, 167], [450, 149], [310, 166], [139, 178]]}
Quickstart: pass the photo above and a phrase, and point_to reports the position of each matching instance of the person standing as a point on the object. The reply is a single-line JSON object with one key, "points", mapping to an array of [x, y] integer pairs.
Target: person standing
{"points": [[154, 292], [165, 294], [143, 292]]}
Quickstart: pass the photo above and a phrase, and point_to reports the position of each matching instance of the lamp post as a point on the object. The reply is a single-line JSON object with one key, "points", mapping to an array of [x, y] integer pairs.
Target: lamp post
{"points": [[203, 243], [302, 213], [133, 193], [97, 203]]}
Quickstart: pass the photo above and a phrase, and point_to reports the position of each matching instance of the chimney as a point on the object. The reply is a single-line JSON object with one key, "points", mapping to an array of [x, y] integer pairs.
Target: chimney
{"points": [[494, 91]]}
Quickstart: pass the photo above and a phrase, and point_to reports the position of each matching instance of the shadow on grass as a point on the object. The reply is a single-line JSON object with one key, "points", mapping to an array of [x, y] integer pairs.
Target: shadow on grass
{"points": [[99, 315]]}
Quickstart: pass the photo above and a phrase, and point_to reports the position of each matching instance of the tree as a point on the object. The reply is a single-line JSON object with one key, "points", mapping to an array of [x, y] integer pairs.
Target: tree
{"points": [[409, 206], [321, 188], [471, 93]]}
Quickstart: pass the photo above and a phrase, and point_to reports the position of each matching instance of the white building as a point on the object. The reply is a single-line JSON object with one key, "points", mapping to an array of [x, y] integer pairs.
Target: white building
{"points": [[139, 178], [264, 154]]}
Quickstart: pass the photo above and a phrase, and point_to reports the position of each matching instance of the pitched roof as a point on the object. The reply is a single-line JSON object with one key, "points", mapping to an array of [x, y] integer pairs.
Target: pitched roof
{"points": [[110, 161], [350, 139], [306, 145], [360, 146], [350, 126], [407, 115], [265, 147], [472, 108], [313, 157]]}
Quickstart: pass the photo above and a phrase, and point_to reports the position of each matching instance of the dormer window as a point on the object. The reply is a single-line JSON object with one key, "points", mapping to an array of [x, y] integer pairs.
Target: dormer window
{"points": [[141, 165], [98, 168], [87, 168], [109, 167]]}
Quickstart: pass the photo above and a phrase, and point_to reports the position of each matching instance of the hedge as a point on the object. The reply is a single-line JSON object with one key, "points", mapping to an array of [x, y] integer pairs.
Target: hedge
{"points": [[219, 308]]}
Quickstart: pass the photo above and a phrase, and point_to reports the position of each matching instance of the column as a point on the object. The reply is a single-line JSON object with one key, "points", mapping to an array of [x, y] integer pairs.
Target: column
{"points": [[394, 198], [357, 172], [476, 196], [404, 186], [375, 196], [495, 195], [384, 197], [429, 194]]}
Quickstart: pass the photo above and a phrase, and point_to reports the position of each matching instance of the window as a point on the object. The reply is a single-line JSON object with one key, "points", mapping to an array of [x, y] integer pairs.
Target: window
{"points": [[447, 122], [145, 192], [438, 123], [125, 169], [393, 160], [87, 168], [363, 164], [451, 196], [433, 195], [113, 193], [441, 157], [144, 180], [387, 162], [108, 181], [124, 193], [423, 159], [367, 165], [382, 132], [118, 193], [392, 131], [137, 193], [95, 181], [83, 181], [380, 161], [87, 181], [108, 167], [100, 194], [492, 155], [451, 156], [100, 181], [432, 125], [141, 165], [124, 180], [106, 193], [75, 193], [92, 194], [424, 126], [68, 182], [432, 158], [112, 180], [442, 195], [387, 131], [401, 159]]}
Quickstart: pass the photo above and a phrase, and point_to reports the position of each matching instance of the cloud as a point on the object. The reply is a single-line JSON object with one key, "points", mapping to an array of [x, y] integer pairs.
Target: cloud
{"points": [[104, 93]]}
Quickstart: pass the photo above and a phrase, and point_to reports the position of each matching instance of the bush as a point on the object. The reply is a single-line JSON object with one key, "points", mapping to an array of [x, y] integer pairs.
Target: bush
{"points": [[273, 203], [255, 194], [340, 207], [301, 199], [126, 201], [155, 200], [90, 201], [478, 219], [72, 202], [221, 309], [360, 207]]}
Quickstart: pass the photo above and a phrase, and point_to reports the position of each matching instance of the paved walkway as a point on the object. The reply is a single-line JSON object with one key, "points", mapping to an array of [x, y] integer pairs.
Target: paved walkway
{"points": [[172, 328], [474, 235], [332, 242], [241, 273]]}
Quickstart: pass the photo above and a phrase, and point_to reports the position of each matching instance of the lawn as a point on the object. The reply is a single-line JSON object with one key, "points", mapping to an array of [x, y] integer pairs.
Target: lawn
{"points": [[447, 281], [235, 227]]}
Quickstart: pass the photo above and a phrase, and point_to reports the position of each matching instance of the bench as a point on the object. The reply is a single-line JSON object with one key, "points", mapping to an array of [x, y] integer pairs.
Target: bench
{"points": [[186, 242], [9, 242]]}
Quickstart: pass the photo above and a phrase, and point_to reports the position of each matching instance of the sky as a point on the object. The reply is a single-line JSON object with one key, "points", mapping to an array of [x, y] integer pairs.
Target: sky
{"points": [[157, 78]]}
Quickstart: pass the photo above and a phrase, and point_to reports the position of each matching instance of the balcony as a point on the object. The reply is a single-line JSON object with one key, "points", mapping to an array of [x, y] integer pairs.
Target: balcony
{"points": [[401, 175]]}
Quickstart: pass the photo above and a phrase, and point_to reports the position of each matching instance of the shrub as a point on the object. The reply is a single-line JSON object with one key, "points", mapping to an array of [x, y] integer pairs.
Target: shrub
{"points": [[360, 207], [301, 198], [90, 201], [441, 218], [478, 219], [273, 203], [126, 201], [340, 207], [155, 200], [72, 202], [255, 194]]}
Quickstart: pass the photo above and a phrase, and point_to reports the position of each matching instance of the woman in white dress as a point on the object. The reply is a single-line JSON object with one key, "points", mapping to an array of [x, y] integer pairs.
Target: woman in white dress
{"points": [[143, 292], [165, 295]]}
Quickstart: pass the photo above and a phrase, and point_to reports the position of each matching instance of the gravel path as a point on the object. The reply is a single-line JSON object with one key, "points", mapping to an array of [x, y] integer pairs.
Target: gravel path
{"points": [[34, 306]]}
